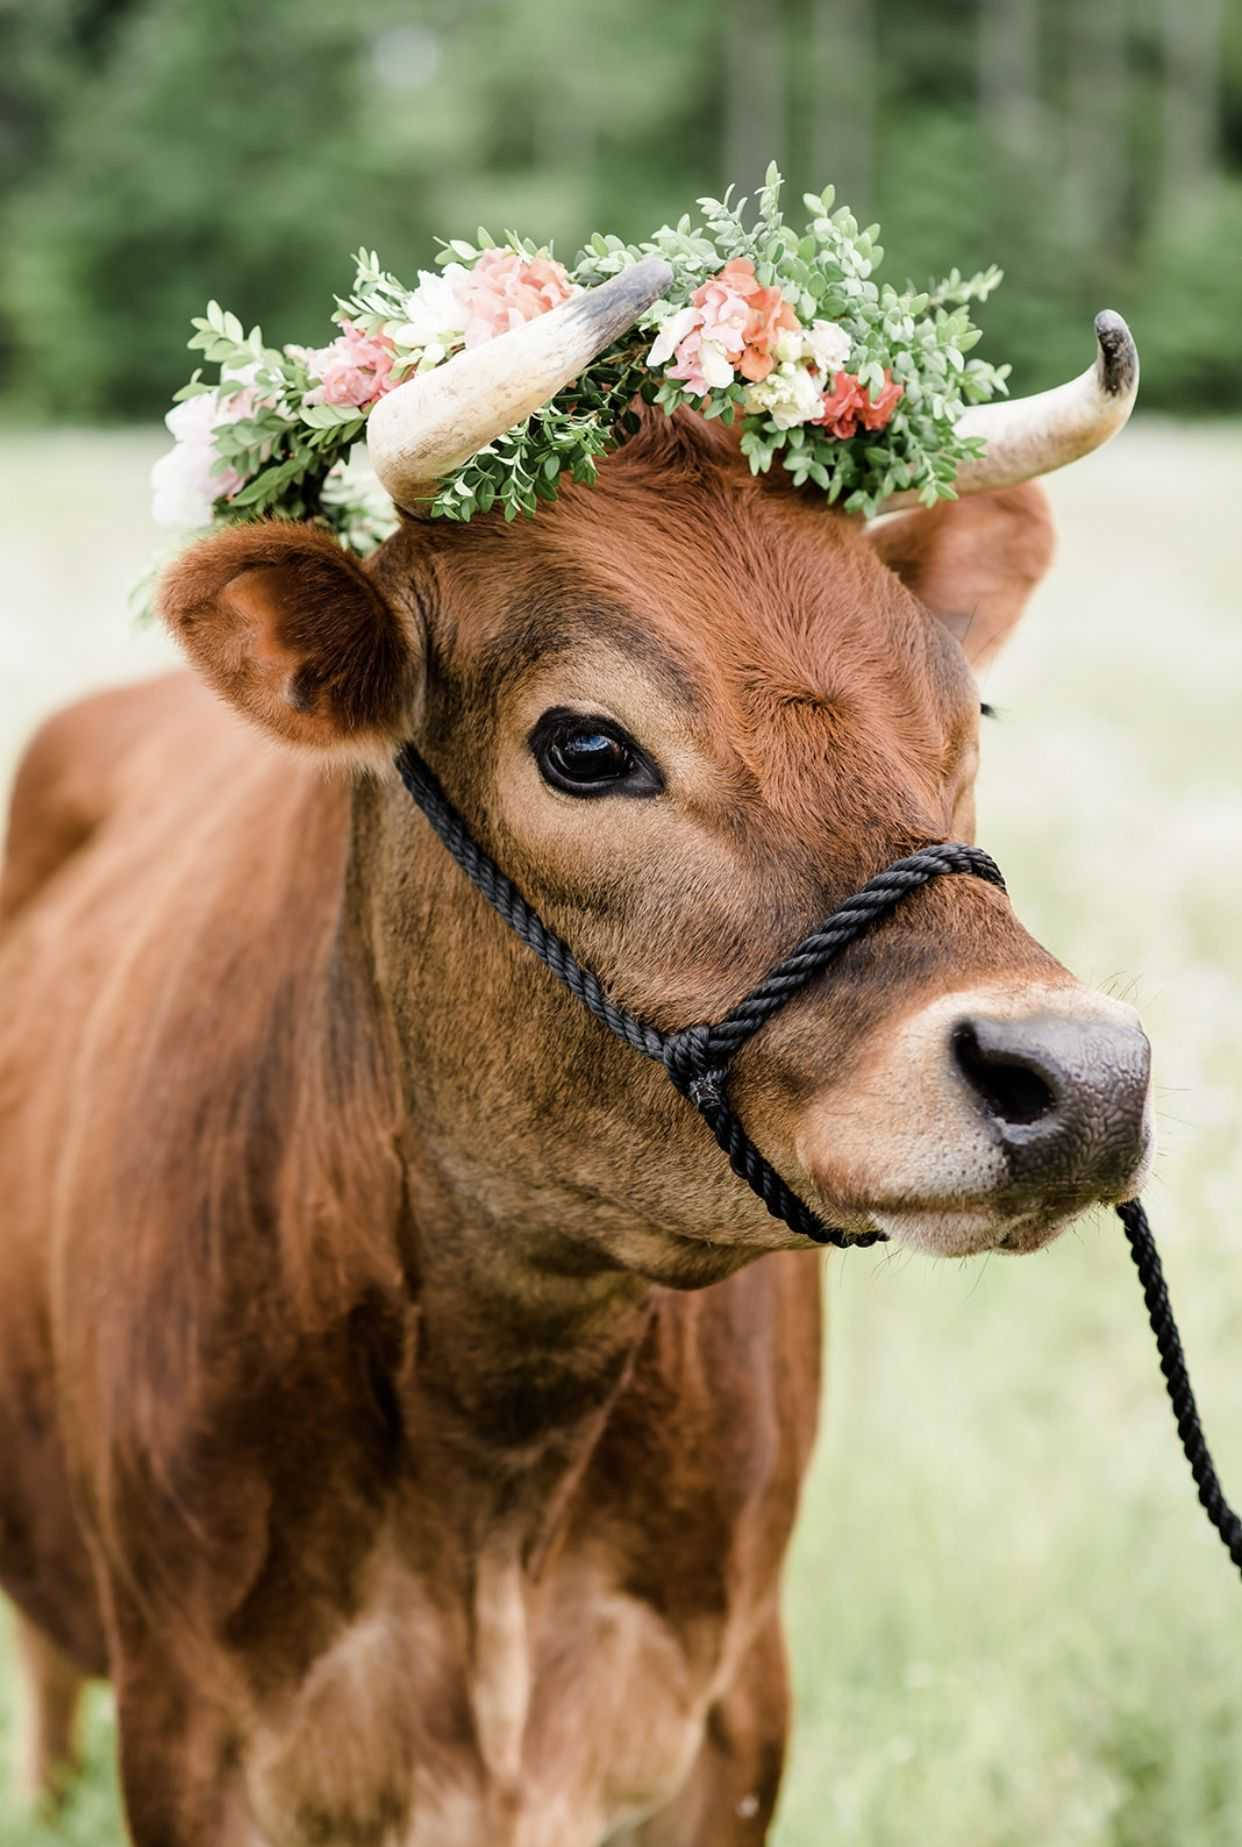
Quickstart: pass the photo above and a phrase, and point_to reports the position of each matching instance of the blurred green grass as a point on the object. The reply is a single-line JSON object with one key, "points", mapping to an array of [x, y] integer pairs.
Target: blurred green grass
{"points": [[1010, 1622]]}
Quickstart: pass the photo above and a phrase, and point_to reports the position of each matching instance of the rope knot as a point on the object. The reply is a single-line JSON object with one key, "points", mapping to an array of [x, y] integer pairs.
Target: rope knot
{"points": [[687, 1058]]}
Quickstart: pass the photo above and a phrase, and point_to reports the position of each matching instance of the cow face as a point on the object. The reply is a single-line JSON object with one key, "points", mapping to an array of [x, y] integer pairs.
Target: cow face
{"points": [[688, 712]]}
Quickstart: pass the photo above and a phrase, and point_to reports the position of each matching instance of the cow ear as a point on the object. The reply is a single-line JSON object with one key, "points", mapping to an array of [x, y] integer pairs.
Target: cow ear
{"points": [[292, 631], [973, 562]]}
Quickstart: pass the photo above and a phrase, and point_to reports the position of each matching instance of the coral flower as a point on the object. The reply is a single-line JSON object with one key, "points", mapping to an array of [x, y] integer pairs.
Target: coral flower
{"points": [[842, 406], [877, 412], [847, 405], [764, 313], [770, 316]]}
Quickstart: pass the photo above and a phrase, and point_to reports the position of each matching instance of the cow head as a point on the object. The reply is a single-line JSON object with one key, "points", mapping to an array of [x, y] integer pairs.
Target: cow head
{"points": [[688, 711]]}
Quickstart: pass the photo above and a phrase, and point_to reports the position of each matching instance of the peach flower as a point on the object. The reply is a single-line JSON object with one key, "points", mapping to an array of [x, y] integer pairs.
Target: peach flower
{"points": [[732, 321], [505, 289]]}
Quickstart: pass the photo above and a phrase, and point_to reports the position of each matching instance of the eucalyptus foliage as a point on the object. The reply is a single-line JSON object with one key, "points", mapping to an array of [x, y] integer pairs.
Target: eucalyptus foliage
{"points": [[288, 446]]}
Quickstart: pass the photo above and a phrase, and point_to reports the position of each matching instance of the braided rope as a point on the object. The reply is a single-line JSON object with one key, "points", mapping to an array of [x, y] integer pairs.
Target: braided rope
{"points": [[696, 1059], [504, 897], [840, 928], [1177, 1379], [707, 1094]]}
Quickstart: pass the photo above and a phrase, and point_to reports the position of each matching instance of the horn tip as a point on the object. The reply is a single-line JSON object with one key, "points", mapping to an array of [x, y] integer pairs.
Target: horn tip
{"points": [[656, 272], [615, 305], [1117, 365]]}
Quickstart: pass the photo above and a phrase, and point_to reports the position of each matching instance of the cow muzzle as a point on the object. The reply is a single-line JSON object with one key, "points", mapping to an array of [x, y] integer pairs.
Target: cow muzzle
{"points": [[992, 1119]]}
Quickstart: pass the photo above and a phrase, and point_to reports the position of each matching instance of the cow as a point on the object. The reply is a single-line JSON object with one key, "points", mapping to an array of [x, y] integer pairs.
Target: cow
{"points": [[392, 1404]]}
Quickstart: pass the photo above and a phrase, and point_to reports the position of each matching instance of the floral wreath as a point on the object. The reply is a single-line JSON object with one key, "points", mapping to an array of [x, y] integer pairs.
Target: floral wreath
{"points": [[853, 386]]}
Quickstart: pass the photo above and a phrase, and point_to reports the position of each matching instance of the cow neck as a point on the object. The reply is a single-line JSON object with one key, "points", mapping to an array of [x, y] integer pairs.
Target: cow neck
{"points": [[523, 1337], [535, 1290], [522, 1350]]}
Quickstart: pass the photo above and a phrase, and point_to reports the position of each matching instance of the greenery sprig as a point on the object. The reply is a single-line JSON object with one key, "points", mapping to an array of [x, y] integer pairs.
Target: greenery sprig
{"points": [[280, 423]]}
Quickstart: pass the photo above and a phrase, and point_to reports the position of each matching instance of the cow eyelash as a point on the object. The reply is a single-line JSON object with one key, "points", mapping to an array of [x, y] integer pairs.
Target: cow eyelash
{"points": [[986, 710]]}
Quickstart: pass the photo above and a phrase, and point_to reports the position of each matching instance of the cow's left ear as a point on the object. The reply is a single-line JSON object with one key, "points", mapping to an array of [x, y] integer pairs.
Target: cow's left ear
{"points": [[294, 633], [973, 562]]}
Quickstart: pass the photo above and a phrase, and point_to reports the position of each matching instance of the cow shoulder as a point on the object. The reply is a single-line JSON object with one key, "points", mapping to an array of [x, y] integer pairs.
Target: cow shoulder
{"points": [[77, 769]]}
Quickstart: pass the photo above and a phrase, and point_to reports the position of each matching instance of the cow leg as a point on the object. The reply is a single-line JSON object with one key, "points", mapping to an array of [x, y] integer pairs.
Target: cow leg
{"points": [[177, 1761], [51, 1691], [730, 1796]]}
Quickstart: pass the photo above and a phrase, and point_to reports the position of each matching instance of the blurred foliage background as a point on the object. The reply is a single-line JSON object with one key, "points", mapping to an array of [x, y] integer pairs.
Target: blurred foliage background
{"points": [[156, 152]]}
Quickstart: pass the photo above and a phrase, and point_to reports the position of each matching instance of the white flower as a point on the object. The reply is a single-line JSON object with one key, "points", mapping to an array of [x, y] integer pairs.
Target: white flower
{"points": [[182, 487], [237, 377], [184, 483], [829, 346], [672, 332], [790, 394], [434, 312], [789, 345], [714, 365]]}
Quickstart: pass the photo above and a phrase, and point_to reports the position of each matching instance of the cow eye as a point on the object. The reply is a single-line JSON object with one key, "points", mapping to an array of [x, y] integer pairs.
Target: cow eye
{"points": [[591, 756]]}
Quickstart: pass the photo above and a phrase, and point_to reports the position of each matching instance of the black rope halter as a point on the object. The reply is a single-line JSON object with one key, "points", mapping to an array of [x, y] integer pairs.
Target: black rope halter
{"points": [[697, 1059]]}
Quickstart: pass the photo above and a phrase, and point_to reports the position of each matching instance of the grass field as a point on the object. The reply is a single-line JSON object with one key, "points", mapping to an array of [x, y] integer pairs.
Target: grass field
{"points": [[1011, 1625]]}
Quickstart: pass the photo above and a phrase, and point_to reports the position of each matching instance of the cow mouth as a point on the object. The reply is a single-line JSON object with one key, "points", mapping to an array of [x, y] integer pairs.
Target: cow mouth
{"points": [[970, 1231], [1012, 1221]]}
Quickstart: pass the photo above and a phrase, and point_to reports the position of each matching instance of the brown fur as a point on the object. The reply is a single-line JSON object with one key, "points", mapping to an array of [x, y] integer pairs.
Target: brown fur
{"points": [[387, 1400]]}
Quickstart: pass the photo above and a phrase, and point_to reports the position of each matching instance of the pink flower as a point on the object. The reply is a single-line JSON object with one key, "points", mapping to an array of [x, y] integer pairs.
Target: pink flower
{"points": [[355, 370], [703, 363], [504, 290], [715, 337], [673, 330]]}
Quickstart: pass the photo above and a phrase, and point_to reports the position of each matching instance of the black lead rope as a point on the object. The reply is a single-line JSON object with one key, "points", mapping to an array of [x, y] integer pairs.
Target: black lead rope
{"points": [[1173, 1366], [697, 1059]]}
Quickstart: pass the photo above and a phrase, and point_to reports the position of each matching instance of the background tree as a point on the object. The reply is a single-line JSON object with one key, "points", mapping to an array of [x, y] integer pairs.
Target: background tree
{"points": [[158, 151]]}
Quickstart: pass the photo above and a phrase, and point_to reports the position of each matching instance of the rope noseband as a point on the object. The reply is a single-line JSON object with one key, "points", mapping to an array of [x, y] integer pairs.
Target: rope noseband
{"points": [[697, 1060]]}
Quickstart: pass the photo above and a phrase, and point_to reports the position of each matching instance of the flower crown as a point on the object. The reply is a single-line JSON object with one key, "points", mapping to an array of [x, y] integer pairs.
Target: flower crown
{"points": [[853, 386]]}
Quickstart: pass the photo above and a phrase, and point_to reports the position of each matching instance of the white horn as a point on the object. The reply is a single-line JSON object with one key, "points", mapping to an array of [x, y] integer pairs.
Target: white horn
{"points": [[1027, 437], [433, 423]]}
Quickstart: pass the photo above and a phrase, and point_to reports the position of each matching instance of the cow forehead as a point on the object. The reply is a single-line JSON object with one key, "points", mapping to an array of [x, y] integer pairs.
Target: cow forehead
{"points": [[764, 618], [723, 567]]}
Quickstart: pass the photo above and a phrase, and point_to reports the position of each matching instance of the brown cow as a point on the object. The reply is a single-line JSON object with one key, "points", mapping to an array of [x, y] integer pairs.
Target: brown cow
{"points": [[389, 1404]]}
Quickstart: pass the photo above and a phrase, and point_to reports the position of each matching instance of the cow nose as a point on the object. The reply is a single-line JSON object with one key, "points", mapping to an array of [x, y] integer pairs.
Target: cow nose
{"points": [[1066, 1098]]}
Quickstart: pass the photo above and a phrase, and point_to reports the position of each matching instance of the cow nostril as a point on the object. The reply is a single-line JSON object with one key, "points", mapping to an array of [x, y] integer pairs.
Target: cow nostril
{"points": [[1014, 1092]]}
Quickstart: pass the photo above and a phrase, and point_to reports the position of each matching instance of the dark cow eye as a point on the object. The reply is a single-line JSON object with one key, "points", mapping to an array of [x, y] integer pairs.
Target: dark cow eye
{"points": [[591, 756]]}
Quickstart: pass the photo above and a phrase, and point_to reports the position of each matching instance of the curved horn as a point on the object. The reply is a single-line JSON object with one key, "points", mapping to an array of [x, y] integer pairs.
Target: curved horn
{"points": [[1027, 437], [433, 423]]}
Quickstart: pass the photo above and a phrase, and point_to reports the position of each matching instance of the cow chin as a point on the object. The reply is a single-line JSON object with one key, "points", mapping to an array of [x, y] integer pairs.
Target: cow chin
{"points": [[987, 1121]]}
